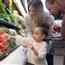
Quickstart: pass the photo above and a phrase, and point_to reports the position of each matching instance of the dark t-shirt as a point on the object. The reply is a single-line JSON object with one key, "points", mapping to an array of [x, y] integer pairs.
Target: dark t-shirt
{"points": [[63, 23], [63, 28]]}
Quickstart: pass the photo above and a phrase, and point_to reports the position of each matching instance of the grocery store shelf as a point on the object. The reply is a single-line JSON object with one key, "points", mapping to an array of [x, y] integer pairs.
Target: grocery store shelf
{"points": [[8, 25]]}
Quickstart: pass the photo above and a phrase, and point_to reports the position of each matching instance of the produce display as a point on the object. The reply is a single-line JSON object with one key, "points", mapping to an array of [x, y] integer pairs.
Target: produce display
{"points": [[11, 28], [6, 43], [6, 14]]}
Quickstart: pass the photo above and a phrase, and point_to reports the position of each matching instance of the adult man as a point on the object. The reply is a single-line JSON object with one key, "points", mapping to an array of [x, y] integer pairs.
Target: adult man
{"points": [[57, 7]]}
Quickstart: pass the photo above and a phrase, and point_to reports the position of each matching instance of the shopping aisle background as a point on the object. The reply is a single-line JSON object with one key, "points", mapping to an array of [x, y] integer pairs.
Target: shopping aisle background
{"points": [[43, 1]]}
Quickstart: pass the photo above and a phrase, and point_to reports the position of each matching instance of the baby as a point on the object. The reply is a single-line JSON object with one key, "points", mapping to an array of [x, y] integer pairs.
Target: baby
{"points": [[37, 45]]}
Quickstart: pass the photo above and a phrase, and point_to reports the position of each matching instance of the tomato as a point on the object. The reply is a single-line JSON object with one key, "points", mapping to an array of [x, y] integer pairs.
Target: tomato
{"points": [[3, 42]]}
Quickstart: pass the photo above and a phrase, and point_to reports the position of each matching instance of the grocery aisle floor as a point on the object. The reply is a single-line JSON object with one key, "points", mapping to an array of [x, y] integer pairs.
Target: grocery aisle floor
{"points": [[58, 60]]}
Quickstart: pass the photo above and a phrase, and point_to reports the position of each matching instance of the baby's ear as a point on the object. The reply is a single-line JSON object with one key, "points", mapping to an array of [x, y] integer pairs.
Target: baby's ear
{"points": [[44, 36]]}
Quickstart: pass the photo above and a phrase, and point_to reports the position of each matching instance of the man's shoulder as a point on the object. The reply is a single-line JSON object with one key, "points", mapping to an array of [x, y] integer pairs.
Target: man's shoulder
{"points": [[48, 14], [48, 17]]}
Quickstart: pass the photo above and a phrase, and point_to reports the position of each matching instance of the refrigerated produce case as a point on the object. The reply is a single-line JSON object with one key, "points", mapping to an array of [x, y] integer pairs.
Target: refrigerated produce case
{"points": [[9, 23], [11, 43]]}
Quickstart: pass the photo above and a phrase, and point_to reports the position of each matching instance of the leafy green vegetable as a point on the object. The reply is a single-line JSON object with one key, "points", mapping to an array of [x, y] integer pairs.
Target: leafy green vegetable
{"points": [[12, 42]]}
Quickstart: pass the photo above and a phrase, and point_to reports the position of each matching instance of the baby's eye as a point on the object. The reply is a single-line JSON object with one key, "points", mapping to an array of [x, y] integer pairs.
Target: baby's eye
{"points": [[36, 33]]}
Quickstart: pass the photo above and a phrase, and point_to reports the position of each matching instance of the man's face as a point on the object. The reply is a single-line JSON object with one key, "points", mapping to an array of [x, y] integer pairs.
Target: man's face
{"points": [[54, 8], [50, 7]]}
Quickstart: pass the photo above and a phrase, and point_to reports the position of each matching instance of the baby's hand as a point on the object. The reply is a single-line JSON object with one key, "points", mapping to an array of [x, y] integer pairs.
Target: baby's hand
{"points": [[28, 43], [13, 37]]}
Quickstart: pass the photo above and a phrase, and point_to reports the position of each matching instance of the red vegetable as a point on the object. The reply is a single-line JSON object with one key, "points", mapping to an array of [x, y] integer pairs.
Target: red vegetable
{"points": [[3, 42]]}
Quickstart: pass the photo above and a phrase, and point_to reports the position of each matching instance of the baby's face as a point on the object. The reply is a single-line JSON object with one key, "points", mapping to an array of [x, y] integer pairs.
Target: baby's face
{"points": [[38, 36]]}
